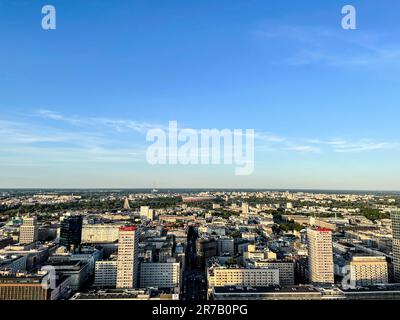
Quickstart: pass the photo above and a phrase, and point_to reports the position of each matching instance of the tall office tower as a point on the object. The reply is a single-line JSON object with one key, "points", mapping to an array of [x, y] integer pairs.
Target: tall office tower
{"points": [[71, 232], [28, 232], [127, 261], [320, 256], [395, 217]]}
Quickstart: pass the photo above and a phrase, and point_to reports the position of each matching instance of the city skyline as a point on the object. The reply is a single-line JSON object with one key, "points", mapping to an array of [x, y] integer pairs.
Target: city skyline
{"points": [[77, 101]]}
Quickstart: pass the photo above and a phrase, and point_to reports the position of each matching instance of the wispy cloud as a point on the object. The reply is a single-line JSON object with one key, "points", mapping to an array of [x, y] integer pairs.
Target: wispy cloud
{"points": [[305, 45]]}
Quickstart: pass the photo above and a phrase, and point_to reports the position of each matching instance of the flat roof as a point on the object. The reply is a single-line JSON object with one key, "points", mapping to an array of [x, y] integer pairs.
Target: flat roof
{"points": [[270, 289]]}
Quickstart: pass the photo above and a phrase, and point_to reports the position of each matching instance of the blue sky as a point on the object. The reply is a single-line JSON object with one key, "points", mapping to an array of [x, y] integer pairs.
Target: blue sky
{"points": [[75, 102]]}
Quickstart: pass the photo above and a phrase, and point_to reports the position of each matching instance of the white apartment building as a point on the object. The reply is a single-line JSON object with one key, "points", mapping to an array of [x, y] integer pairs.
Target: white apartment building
{"points": [[160, 275], [222, 276], [93, 233], [106, 274], [28, 232], [368, 270], [127, 261], [320, 256]]}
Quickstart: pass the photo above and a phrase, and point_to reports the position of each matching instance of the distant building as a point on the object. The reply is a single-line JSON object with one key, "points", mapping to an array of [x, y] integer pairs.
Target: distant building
{"points": [[320, 256], [71, 231], [127, 261], [368, 270], [146, 213], [28, 232], [245, 208]]}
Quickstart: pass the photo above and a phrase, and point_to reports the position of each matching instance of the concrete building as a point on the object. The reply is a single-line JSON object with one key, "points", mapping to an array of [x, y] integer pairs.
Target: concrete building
{"points": [[71, 231], [223, 276], [146, 213], [23, 286], [286, 270], [160, 275], [97, 233], [368, 270], [105, 275], [127, 261], [245, 208], [225, 245], [28, 232], [320, 256]]}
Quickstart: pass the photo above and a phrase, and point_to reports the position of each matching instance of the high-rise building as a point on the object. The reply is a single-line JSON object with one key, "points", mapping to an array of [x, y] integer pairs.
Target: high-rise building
{"points": [[320, 256], [395, 217], [71, 231], [368, 270], [127, 261], [28, 232]]}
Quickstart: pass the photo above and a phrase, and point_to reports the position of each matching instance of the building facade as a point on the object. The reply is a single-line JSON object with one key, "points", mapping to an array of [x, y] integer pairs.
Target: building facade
{"points": [[368, 271], [127, 261], [71, 231], [28, 232], [160, 275], [320, 256]]}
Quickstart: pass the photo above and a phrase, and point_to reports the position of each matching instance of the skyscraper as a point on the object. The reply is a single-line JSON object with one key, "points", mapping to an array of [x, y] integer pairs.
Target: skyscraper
{"points": [[28, 232], [127, 261], [71, 231], [395, 217], [320, 256]]}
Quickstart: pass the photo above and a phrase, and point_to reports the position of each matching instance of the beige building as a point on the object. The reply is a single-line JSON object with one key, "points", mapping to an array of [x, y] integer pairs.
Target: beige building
{"points": [[320, 256], [127, 261], [28, 232], [368, 270], [222, 276], [286, 270], [93, 233], [395, 217]]}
